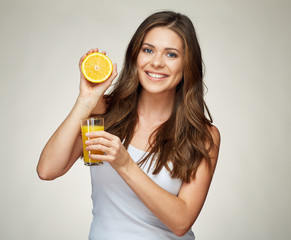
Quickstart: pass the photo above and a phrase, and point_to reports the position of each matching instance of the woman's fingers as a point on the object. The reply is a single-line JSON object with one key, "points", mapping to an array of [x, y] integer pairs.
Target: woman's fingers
{"points": [[92, 50], [110, 153], [101, 148], [107, 143], [114, 73], [104, 134], [103, 141], [98, 141], [99, 157], [81, 60]]}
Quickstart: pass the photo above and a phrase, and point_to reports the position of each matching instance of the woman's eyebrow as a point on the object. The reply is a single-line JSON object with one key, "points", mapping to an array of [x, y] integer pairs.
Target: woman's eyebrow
{"points": [[175, 49], [169, 48], [150, 45]]}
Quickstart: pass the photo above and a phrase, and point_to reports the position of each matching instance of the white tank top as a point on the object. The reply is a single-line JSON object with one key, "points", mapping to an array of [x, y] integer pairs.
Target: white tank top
{"points": [[119, 214]]}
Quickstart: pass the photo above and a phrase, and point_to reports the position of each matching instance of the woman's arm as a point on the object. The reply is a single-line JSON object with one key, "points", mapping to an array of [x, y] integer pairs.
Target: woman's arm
{"points": [[178, 213], [65, 146]]}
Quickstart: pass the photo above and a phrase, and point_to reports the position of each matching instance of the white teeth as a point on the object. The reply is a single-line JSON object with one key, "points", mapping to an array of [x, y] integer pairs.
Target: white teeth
{"points": [[154, 75]]}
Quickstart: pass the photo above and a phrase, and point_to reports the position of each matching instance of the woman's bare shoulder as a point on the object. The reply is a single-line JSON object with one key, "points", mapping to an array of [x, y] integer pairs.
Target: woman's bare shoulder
{"points": [[214, 150], [215, 134]]}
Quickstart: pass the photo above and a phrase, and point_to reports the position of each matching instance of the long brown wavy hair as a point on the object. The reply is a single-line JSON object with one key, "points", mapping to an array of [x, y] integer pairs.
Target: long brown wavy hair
{"points": [[179, 144]]}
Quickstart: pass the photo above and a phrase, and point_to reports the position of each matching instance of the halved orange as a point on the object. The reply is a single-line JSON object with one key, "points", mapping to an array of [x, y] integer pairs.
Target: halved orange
{"points": [[97, 67]]}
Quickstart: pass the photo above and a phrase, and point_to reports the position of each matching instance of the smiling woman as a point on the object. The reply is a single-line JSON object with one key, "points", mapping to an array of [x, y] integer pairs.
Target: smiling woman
{"points": [[160, 61], [160, 147]]}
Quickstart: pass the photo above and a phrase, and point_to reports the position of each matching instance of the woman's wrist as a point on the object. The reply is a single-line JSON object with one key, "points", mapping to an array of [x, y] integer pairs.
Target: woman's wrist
{"points": [[127, 170], [84, 106]]}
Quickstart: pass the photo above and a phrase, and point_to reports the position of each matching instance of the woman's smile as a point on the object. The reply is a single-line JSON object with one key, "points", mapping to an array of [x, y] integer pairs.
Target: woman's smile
{"points": [[156, 76]]}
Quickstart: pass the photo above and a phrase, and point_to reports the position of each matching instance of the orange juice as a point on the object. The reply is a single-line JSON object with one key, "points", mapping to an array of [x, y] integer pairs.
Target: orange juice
{"points": [[86, 129]]}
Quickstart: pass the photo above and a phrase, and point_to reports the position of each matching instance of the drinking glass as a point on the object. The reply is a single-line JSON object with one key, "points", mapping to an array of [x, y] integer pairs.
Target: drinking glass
{"points": [[90, 125]]}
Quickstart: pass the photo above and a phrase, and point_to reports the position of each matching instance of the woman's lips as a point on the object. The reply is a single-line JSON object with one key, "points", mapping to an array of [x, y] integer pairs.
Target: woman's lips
{"points": [[157, 75]]}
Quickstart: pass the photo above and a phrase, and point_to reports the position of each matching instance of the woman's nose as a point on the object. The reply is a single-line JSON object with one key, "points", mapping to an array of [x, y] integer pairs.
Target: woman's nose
{"points": [[158, 60]]}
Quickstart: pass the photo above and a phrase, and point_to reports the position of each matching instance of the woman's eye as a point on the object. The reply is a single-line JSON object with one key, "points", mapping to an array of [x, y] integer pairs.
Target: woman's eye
{"points": [[172, 55], [147, 50]]}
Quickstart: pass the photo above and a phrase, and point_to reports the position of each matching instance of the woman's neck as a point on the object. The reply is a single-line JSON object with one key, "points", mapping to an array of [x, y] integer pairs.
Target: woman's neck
{"points": [[156, 107]]}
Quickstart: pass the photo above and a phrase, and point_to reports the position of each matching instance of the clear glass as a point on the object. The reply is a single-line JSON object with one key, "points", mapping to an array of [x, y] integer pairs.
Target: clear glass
{"points": [[90, 125]]}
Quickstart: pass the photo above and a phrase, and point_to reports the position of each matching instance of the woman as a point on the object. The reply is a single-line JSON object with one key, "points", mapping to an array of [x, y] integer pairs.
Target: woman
{"points": [[160, 148]]}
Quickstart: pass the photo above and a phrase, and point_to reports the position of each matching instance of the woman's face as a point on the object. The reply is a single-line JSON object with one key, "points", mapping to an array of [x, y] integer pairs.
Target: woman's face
{"points": [[160, 61]]}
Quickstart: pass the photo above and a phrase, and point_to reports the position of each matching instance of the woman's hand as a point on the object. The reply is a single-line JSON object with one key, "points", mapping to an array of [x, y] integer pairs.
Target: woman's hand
{"points": [[93, 91], [114, 151]]}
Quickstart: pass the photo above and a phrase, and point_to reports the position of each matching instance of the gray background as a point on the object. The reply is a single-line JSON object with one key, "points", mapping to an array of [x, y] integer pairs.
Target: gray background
{"points": [[246, 50]]}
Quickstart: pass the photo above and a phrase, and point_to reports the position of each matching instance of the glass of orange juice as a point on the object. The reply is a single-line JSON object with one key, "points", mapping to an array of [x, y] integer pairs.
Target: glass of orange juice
{"points": [[90, 125]]}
